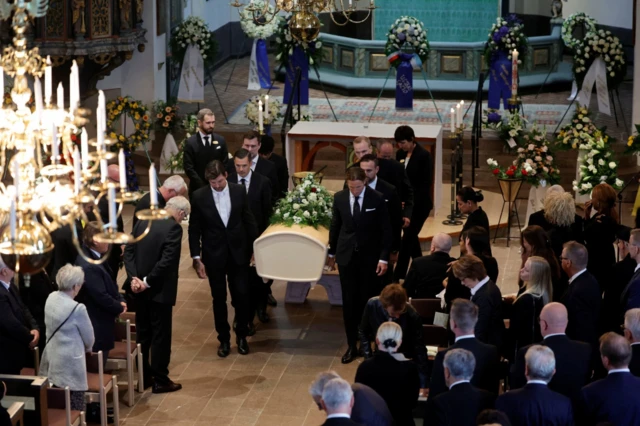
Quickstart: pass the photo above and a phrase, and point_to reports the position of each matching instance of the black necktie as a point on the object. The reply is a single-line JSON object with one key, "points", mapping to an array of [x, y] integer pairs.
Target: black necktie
{"points": [[356, 210], [206, 141], [243, 181]]}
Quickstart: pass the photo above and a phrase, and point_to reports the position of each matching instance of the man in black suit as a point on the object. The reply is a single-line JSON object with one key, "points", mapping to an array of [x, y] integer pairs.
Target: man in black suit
{"points": [[173, 186], [418, 166], [615, 398], [426, 273], [202, 148], [583, 297], [267, 144], [259, 192], [462, 321], [463, 402], [360, 243], [630, 297], [535, 404], [573, 366], [221, 231], [368, 407], [251, 142], [632, 333], [152, 273], [337, 401], [19, 331]]}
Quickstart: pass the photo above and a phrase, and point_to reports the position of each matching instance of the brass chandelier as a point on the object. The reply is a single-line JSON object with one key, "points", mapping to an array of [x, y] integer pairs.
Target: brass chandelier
{"points": [[304, 23], [54, 183]]}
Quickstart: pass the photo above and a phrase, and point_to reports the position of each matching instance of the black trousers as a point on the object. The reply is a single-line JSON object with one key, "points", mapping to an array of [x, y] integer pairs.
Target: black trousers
{"points": [[359, 282], [410, 246], [153, 329], [239, 287], [259, 292]]}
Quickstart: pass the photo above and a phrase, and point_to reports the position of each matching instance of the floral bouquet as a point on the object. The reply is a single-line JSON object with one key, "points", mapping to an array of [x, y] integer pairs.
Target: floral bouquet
{"points": [[190, 126], [535, 157], [305, 113], [285, 43], [608, 47], [166, 115], [576, 19], [633, 143], [505, 35], [194, 31], [308, 204], [511, 172], [251, 110], [491, 119], [260, 28], [407, 34], [597, 165], [578, 132]]}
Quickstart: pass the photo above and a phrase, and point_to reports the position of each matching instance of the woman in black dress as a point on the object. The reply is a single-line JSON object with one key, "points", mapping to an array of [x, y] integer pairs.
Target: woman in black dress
{"points": [[468, 199], [559, 220], [478, 243], [534, 241]]}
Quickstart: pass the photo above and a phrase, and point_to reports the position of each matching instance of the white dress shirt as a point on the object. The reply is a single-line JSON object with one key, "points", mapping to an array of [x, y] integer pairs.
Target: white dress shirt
{"points": [[202, 136], [458, 382], [247, 180], [223, 203], [466, 336], [6, 285], [254, 163], [338, 416], [352, 200], [537, 382], [373, 183], [576, 275], [479, 286], [98, 255], [619, 370], [637, 267], [553, 334]]}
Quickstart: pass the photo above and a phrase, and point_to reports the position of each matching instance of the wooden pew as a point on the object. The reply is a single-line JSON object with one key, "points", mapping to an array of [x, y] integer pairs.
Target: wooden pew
{"points": [[32, 391]]}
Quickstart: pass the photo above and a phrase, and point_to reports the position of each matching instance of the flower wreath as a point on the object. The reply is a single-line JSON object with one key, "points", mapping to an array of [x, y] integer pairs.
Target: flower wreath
{"points": [[608, 47], [578, 132], [256, 28], [505, 35], [251, 110], [576, 19], [285, 43], [138, 114], [407, 33], [194, 31], [598, 165]]}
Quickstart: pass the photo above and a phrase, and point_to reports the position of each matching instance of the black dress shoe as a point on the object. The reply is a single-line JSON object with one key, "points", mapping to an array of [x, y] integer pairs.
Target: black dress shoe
{"points": [[263, 316], [166, 387], [251, 329], [148, 382], [350, 355], [224, 349], [243, 346], [271, 301]]}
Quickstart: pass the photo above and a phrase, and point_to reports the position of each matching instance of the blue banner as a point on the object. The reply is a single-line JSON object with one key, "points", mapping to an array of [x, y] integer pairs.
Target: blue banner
{"points": [[267, 129], [298, 60], [499, 81], [132, 176], [404, 82], [263, 64]]}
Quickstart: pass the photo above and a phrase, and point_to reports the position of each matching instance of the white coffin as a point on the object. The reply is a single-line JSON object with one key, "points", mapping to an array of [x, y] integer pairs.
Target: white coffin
{"points": [[296, 253]]}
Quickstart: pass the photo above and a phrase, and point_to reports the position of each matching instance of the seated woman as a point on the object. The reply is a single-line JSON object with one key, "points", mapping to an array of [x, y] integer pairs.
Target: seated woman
{"points": [[392, 305], [534, 241], [478, 243], [391, 375], [69, 336]]}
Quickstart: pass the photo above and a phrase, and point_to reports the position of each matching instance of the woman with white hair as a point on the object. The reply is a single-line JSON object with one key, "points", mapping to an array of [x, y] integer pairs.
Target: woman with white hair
{"points": [[69, 336], [394, 377]]}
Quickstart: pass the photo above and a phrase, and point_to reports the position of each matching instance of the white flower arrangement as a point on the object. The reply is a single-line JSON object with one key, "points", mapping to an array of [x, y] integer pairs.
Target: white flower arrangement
{"points": [[308, 204], [605, 45], [196, 32], [576, 19], [255, 28], [578, 132], [407, 34], [597, 165], [251, 110], [305, 113]]}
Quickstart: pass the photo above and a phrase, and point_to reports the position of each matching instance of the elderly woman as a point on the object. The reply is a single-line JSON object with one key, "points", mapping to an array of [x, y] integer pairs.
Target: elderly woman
{"points": [[69, 336], [391, 375], [100, 293]]}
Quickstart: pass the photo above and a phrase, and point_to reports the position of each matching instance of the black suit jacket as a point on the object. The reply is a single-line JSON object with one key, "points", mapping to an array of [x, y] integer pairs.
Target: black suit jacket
{"points": [[282, 170], [536, 405], [392, 171], [573, 366], [490, 325], [16, 323], [267, 169], [115, 252], [209, 238], [426, 274], [394, 205], [634, 365], [614, 399], [260, 198], [613, 309], [486, 374], [459, 406], [197, 156], [524, 327], [630, 296], [5, 419], [558, 235], [64, 251], [583, 299], [144, 203], [156, 258], [420, 174], [477, 218], [340, 421], [368, 407], [372, 235]]}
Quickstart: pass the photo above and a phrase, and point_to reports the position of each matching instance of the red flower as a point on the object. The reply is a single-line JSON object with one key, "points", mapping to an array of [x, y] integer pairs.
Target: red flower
{"points": [[314, 190], [510, 172], [496, 171], [524, 172]]}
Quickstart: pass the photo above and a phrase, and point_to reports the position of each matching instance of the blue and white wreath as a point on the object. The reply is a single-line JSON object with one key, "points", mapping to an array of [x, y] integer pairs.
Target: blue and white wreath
{"points": [[256, 23], [407, 34]]}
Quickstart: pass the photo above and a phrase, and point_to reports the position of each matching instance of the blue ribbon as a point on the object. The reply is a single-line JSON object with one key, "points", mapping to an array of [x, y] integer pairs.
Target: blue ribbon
{"points": [[404, 82], [499, 81], [298, 60], [267, 129], [262, 60]]}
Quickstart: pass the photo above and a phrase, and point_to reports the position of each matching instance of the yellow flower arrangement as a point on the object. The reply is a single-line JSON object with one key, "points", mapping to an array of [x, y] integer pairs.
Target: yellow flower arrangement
{"points": [[137, 112], [633, 143], [167, 118]]}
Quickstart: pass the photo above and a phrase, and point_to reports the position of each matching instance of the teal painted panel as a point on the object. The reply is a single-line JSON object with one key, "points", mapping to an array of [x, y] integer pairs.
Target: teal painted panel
{"points": [[446, 20]]}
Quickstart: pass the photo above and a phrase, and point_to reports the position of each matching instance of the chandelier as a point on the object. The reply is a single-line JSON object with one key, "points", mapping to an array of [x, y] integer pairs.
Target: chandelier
{"points": [[54, 183], [304, 23]]}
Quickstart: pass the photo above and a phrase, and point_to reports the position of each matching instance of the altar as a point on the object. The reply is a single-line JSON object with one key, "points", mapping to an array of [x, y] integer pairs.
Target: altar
{"points": [[301, 154]]}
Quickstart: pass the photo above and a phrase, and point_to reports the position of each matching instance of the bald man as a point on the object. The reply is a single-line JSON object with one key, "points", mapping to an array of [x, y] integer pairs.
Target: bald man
{"points": [[425, 276], [573, 366]]}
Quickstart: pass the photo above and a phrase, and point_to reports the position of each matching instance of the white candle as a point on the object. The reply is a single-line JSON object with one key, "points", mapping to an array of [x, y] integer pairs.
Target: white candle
{"points": [[37, 86], [16, 175], [99, 127], [260, 123], [453, 119], [75, 84], [72, 95], [113, 215], [153, 185], [458, 116], [2, 81], [48, 82], [102, 103], [12, 220], [76, 171], [60, 95], [103, 170], [84, 146], [514, 73], [123, 170], [54, 144], [266, 107]]}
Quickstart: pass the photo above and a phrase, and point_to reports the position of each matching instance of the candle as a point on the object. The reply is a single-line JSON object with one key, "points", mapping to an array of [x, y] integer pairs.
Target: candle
{"points": [[84, 146], [266, 107], [16, 175], [60, 95], [153, 185], [12, 220], [453, 119], [54, 144], [48, 82], [72, 95], [260, 123], [350, 3], [102, 103], [75, 84], [123, 170], [103, 170], [38, 89], [76, 170], [2, 80], [99, 127], [514, 73], [458, 116], [113, 215]]}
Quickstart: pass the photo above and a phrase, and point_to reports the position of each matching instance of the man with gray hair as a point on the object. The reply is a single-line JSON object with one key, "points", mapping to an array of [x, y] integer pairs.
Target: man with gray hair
{"points": [[337, 401], [368, 407], [202, 148], [462, 404], [632, 333], [426, 274], [171, 187], [152, 274], [536, 404]]}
